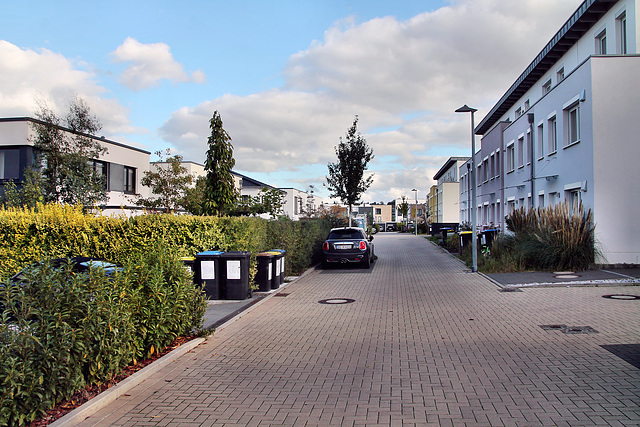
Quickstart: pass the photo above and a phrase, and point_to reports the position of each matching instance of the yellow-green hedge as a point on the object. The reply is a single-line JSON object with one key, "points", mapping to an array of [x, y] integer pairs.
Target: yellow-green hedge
{"points": [[54, 231]]}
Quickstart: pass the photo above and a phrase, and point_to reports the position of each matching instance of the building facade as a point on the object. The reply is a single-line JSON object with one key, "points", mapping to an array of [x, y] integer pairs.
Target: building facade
{"points": [[123, 165], [567, 131], [448, 200]]}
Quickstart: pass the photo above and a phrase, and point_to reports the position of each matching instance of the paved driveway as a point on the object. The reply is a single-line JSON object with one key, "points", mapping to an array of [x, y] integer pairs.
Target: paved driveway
{"points": [[422, 343]]}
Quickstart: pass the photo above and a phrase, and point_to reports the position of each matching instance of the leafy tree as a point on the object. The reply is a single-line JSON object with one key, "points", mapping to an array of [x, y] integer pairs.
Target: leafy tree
{"points": [[346, 179], [404, 209], [268, 201], [29, 194], [220, 192], [168, 182], [64, 159], [194, 197]]}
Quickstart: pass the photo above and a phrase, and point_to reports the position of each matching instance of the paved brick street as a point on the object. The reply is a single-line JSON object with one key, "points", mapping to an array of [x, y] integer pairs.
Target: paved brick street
{"points": [[423, 343]]}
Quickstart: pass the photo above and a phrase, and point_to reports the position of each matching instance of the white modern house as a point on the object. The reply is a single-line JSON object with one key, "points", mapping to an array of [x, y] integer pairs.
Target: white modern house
{"points": [[568, 130], [122, 164], [298, 203], [449, 205]]}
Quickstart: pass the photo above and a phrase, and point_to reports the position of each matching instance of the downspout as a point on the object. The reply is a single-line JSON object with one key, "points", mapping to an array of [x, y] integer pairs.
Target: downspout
{"points": [[531, 118]]}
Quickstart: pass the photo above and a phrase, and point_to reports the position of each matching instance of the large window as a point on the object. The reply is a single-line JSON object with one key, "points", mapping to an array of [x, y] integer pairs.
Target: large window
{"points": [[552, 140], [129, 180], [572, 124], [10, 163], [621, 30], [102, 170], [601, 43], [510, 158], [540, 141], [521, 151]]}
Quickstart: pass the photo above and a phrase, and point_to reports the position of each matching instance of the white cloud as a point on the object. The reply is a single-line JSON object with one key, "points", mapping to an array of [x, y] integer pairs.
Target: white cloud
{"points": [[149, 64], [29, 75]]}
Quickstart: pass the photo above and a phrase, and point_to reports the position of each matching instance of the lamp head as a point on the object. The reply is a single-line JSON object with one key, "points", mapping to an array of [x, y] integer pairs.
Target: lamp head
{"points": [[466, 109]]}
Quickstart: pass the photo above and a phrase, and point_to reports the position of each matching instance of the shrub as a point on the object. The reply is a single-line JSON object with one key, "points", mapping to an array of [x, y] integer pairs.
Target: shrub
{"points": [[552, 238], [63, 329]]}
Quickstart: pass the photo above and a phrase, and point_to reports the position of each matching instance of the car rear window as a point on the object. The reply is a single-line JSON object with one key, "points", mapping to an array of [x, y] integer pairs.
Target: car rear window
{"points": [[345, 234]]}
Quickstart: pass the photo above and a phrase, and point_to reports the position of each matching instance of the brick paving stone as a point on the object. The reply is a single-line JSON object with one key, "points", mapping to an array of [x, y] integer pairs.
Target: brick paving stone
{"points": [[425, 343]]}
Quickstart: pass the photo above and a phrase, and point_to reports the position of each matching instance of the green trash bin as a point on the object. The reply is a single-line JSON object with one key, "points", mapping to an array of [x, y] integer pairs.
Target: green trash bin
{"points": [[265, 271], [207, 272], [234, 271]]}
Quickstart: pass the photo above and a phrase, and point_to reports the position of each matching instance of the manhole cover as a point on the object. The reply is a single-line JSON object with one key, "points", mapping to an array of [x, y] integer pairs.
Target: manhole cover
{"points": [[553, 327], [337, 301], [622, 297], [579, 330]]}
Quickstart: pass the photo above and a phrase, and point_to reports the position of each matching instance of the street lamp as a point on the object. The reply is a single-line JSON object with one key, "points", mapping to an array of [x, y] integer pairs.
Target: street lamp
{"points": [[474, 221], [415, 225]]}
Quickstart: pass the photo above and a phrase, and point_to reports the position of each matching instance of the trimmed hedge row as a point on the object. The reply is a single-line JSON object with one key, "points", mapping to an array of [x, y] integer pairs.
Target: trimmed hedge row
{"points": [[76, 329], [55, 231]]}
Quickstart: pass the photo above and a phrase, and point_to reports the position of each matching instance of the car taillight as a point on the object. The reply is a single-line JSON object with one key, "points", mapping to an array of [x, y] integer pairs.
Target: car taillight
{"points": [[363, 245], [325, 246]]}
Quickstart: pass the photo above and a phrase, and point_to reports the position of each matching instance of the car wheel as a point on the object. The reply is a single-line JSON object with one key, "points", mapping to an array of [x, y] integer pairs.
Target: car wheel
{"points": [[366, 263]]}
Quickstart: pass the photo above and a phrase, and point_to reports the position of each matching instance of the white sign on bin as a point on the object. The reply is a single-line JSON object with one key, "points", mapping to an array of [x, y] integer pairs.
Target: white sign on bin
{"points": [[208, 270], [233, 270], [269, 271]]}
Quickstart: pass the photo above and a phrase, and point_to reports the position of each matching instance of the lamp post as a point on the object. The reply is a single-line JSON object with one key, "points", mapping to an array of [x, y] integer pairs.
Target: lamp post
{"points": [[415, 225], [474, 221]]}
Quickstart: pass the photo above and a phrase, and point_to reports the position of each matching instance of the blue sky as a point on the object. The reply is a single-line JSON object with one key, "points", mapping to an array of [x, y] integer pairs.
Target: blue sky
{"points": [[288, 77]]}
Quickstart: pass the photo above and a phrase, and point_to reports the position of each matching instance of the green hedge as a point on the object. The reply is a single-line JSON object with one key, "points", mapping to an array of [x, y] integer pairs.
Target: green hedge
{"points": [[75, 329]]}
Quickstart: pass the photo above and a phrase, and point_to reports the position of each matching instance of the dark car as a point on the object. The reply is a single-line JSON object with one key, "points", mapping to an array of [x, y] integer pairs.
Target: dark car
{"points": [[348, 245], [78, 265]]}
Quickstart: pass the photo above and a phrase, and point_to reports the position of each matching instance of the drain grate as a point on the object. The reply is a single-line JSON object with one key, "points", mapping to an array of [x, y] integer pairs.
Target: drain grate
{"points": [[570, 329]]}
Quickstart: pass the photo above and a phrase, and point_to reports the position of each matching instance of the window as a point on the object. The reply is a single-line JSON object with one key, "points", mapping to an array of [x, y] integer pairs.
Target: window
{"points": [[378, 211], [546, 87], [129, 180], [510, 158], [540, 141], [10, 163], [553, 135], [485, 170], [573, 198], [601, 43], [511, 205], [541, 200], [621, 31], [527, 104], [498, 166], [521, 151], [552, 198], [518, 112], [529, 148], [101, 169], [493, 166], [572, 125], [560, 75]]}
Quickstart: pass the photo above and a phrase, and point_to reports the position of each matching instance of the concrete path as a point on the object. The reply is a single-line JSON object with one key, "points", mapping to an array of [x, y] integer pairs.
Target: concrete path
{"points": [[416, 340]]}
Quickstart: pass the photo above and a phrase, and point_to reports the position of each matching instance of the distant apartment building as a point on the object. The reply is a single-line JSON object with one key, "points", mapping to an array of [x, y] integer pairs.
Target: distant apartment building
{"points": [[299, 204], [122, 165], [382, 213], [567, 130], [447, 198], [432, 204]]}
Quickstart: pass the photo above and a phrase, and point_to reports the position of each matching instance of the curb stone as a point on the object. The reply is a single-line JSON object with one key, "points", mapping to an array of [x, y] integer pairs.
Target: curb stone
{"points": [[111, 394]]}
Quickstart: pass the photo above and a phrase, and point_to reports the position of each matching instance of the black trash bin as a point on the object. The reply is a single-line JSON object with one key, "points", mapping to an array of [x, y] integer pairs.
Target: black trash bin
{"points": [[465, 240], [275, 262], [444, 231], [189, 264], [234, 270], [207, 272], [282, 253], [489, 236], [264, 275]]}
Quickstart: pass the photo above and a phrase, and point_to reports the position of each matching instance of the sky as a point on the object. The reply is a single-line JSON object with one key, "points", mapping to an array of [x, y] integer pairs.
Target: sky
{"points": [[288, 77]]}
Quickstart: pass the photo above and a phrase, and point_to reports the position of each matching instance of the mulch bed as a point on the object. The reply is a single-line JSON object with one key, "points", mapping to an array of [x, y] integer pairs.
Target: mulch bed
{"points": [[91, 391]]}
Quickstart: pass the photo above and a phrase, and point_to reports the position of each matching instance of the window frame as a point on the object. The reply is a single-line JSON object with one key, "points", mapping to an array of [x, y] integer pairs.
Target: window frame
{"points": [[552, 134], [511, 159], [130, 176]]}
